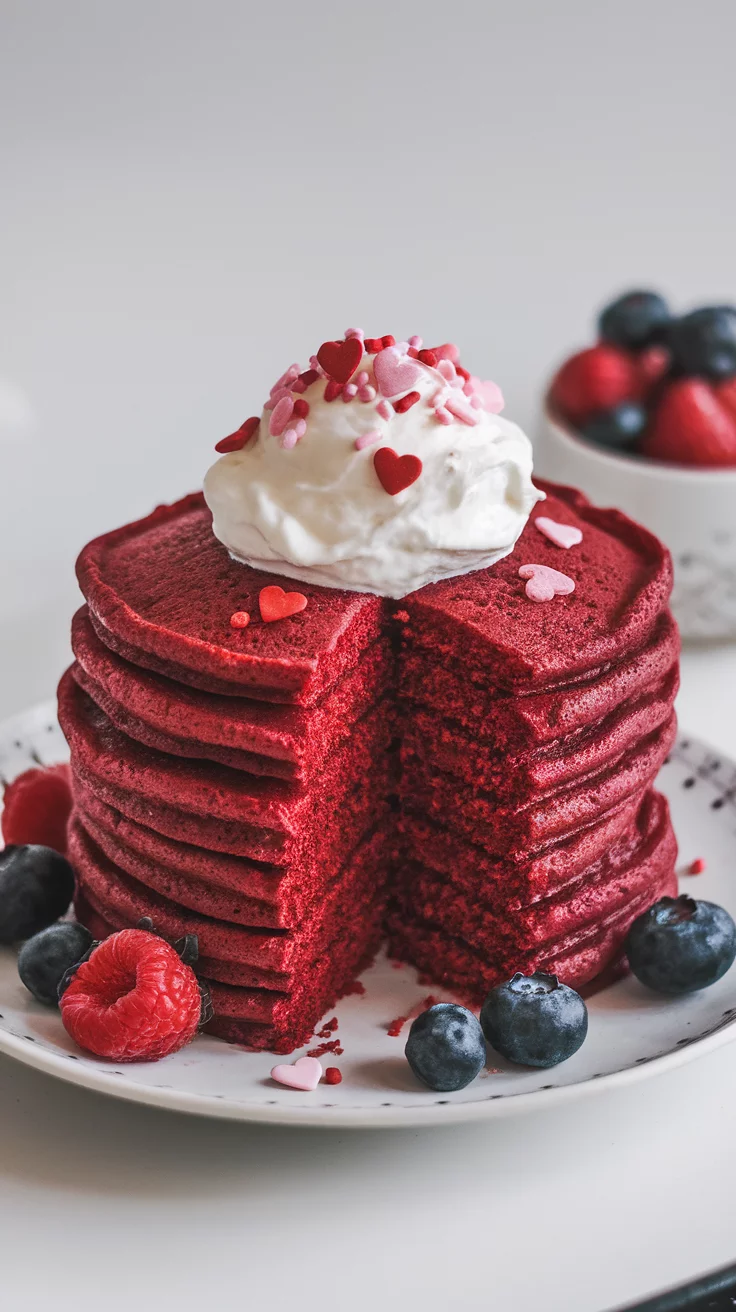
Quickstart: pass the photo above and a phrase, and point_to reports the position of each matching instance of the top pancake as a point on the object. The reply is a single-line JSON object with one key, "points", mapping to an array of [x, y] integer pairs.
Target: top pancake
{"points": [[161, 592]]}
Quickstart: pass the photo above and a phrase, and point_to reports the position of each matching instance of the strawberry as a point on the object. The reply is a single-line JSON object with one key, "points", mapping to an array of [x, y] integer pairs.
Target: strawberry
{"points": [[691, 426], [36, 807], [593, 380], [726, 393]]}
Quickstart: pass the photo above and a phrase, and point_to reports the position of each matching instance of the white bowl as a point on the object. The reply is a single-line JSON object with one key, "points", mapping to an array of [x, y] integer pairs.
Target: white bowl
{"points": [[693, 511]]}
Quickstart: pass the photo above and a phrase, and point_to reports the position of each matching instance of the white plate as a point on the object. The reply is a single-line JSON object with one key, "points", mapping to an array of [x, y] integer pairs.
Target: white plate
{"points": [[632, 1033]]}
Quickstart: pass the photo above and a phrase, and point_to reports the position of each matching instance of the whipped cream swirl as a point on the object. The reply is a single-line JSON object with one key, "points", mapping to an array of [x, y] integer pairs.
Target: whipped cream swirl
{"points": [[303, 497]]}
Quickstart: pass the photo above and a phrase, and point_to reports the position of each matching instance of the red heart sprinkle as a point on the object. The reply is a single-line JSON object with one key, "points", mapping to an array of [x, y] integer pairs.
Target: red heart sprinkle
{"points": [[240, 620], [275, 604], [340, 359], [301, 408], [396, 472], [405, 403], [234, 441]]}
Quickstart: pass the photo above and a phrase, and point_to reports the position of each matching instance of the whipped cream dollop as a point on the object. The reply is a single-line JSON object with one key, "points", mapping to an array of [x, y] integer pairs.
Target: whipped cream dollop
{"points": [[379, 469]]}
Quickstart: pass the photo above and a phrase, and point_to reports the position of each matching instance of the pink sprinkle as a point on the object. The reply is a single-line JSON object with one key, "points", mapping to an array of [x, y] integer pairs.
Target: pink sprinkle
{"points": [[367, 439], [275, 397], [301, 427], [349, 391], [299, 385], [544, 583], [402, 347], [315, 364], [476, 402], [354, 332], [563, 535], [363, 378], [443, 415], [459, 407], [447, 369], [280, 416], [384, 409], [416, 342], [366, 393]]}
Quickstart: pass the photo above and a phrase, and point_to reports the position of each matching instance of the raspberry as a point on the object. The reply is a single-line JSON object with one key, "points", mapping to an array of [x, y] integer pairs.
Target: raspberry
{"points": [[333, 1075], [134, 999], [36, 807], [594, 380]]}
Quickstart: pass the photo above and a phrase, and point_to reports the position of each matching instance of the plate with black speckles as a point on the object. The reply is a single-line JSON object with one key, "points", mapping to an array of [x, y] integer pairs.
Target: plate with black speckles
{"points": [[633, 1034]]}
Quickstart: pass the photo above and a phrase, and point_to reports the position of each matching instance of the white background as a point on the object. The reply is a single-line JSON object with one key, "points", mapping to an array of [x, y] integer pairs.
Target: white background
{"points": [[192, 195]]}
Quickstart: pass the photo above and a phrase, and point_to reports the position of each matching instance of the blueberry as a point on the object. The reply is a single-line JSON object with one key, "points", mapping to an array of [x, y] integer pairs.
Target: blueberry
{"points": [[36, 887], [534, 1020], [619, 428], [44, 959], [680, 945], [635, 320], [704, 342], [445, 1048]]}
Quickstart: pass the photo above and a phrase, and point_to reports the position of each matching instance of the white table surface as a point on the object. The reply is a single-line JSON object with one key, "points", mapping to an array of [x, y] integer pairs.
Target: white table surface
{"points": [[575, 1210]]}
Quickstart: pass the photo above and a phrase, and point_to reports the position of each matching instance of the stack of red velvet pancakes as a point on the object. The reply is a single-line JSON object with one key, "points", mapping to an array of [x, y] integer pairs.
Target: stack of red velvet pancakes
{"points": [[485, 761], [530, 832], [231, 783]]}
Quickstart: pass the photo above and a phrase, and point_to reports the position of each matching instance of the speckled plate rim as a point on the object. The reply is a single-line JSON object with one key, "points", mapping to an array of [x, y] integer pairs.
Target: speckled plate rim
{"points": [[692, 762]]}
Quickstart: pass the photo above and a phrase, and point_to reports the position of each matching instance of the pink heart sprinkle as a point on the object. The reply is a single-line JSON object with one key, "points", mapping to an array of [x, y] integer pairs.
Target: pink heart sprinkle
{"points": [[490, 395], [305, 1074], [367, 439], [280, 416], [563, 535], [544, 583], [394, 372]]}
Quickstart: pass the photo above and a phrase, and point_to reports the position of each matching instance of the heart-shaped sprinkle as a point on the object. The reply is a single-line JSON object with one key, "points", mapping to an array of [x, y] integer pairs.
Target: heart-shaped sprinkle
{"points": [[240, 619], [280, 416], [340, 359], [544, 583], [235, 441], [396, 472], [305, 1074], [394, 372], [275, 604], [489, 394], [563, 535]]}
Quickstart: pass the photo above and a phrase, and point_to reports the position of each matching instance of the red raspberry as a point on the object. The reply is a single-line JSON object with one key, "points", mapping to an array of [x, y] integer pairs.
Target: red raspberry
{"points": [[691, 426], [594, 380], [333, 1075], [133, 1000], [36, 807]]}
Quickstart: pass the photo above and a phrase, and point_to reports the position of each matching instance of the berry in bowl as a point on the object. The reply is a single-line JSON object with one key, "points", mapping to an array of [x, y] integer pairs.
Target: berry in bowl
{"points": [[645, 420]]}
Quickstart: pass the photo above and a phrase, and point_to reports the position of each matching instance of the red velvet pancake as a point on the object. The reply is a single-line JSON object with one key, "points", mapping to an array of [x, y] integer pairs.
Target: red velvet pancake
{"points": [[252, 893], [623, 578], [288, 742], [166, 588], [258, 957]]}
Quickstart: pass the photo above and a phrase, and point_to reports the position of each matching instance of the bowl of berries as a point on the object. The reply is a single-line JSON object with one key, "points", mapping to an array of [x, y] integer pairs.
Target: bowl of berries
{"points": [[645, 420]]}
